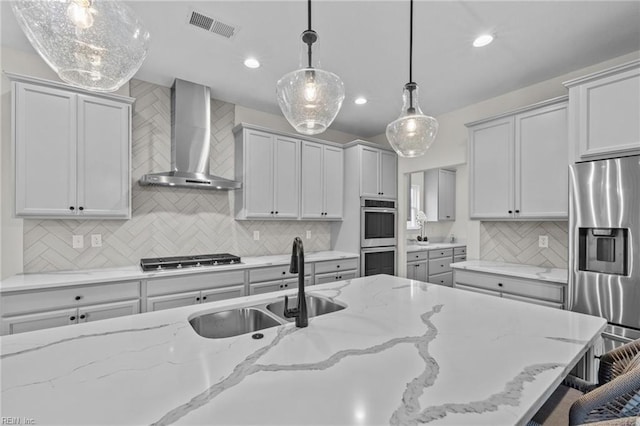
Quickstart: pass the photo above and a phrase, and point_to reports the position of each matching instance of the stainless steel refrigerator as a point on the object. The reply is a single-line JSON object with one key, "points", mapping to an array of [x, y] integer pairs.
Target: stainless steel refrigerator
{"points": [[604, 244]]}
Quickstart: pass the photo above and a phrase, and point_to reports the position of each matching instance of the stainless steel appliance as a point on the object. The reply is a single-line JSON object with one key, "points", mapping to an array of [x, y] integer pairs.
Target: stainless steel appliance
{"points": [[604, 245], [378, 260], [179, 262], [377, 222]]}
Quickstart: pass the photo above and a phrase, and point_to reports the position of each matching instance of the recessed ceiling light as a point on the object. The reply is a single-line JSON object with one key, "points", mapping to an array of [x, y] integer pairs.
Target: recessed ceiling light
{"points": [[251, 63], [482, 40], [361, 100]]}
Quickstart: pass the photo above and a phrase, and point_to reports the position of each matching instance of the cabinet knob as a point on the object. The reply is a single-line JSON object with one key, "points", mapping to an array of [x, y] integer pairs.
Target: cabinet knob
{"points": [[71, 208], [272, 212], [197, 299], [204, 297], [276, 212], [284, 272], [281, 286], [78, 297], [286, 285], [499, 284], [72, 318], [80, 208], [517, 211], [510, 211], [340, 277], [83, 316]]}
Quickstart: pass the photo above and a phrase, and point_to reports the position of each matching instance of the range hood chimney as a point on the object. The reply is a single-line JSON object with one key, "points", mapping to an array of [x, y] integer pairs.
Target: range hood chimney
{"points": [[190, 141]]}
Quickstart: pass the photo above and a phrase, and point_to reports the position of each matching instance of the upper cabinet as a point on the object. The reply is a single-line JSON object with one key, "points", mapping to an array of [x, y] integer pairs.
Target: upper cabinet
{"points": [[378, 172], [269, 167], [518, 164], [604, 113], [72, 151], [322, 181], [440, 195]]}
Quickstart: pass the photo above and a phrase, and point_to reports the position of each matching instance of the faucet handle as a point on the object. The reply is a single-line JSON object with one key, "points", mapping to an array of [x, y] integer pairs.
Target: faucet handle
{"points": [[289, 313]]}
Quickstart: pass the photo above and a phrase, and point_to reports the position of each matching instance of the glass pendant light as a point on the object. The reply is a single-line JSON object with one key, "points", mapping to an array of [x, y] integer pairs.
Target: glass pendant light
{"points": [[413, 132], [310, 98], [97, 45]]}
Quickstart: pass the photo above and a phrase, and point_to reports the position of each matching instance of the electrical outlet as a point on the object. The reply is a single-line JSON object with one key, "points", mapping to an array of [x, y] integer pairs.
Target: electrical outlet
{"points": [[543, 241], [77, 241], [256, 235], [96, 240], [308, 235]]}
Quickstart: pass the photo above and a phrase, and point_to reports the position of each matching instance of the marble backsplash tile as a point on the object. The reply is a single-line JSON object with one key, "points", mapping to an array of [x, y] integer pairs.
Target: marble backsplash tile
{"points": [[166, 221], [517, 242]]}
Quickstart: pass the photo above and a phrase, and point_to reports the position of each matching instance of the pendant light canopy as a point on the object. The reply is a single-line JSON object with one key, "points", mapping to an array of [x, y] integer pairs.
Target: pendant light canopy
{"points": [[310, 98], [413, 132], [97, 45]]}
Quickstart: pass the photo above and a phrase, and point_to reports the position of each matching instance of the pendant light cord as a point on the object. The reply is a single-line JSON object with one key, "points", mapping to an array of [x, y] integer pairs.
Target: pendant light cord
{"points": [[309, 29], [410, 56]]}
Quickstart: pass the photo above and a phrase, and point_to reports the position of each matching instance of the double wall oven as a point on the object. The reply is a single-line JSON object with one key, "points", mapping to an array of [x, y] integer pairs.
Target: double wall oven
{"points": [[378, 220]]}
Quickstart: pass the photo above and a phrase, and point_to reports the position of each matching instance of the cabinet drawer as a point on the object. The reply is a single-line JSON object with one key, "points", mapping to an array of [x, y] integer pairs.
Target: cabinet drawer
{"points": [[442, 279], [457, 251], [476, 290], [461, 258], [336, 265], [417, 255], [436, 254], [535, 301], [35, 301], [275, 272], [182, 283], [332, 277], [439, 266], [517, 286], [268, 287]]}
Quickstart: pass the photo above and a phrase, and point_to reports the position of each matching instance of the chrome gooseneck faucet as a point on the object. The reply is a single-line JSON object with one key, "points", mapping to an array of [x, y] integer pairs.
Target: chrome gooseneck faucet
{"points": [[297, 266]]}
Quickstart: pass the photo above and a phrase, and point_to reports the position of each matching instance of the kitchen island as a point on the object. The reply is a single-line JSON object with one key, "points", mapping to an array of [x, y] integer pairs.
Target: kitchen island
{"points": [[402, 352]]}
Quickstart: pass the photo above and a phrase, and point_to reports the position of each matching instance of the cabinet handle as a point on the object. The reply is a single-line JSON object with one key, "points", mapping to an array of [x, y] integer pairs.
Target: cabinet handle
{"points": [[78, 297], [517, 211], [71, 208], [204, 297], [448, 216], [510, 211], [197, 299], [276, 212], [72, 318], [499, 284], [284, 272], [340, 277], [80, 208], [83, 316], [286, 285], [337, 266]]}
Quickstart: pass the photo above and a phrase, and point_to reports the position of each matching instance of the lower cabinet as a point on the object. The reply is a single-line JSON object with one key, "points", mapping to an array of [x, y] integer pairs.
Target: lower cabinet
{"points": [[336, 276], [335, 270], [40, 309], [417, 270], [269, 286], [526, 290], [176, 300], [434, 265]]}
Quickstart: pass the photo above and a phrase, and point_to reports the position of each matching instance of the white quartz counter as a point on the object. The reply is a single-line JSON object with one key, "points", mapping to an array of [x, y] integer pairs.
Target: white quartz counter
{"points": [[402, 352], [49, 280], [555, 275], [433, 246]]}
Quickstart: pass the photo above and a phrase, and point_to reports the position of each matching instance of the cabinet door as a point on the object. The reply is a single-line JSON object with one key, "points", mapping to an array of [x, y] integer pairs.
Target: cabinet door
{"points": [[417, 271], [609, 108], [312, 181], [45, 151], [103, 158], [157, 303], [333, 182], [258, 183], [108, 310], [39, 321], [542, 163], [446, 195], [388, 175], [287, 177], [491, 170], [369, 172], [267, 287], [223, 293]]}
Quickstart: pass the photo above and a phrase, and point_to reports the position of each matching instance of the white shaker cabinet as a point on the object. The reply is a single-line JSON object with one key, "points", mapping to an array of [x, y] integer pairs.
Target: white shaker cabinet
{"points": [[270, 171], [378, 173], [322, 181], [72, 152], [440, 195], [604, 113], [519, 162]]}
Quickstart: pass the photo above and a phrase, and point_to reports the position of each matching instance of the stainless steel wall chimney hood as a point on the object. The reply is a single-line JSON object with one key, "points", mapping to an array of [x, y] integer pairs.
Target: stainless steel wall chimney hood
{"points": [[190, 141]]}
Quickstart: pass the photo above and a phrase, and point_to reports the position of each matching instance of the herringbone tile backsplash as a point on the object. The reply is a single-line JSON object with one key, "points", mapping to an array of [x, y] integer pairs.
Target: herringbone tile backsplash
{"points": [[165, 221], [517, 242]]}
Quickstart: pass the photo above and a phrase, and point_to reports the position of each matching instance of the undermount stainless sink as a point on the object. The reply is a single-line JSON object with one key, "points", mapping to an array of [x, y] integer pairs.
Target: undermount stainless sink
{"points": [[315, 306], [233, 322]]}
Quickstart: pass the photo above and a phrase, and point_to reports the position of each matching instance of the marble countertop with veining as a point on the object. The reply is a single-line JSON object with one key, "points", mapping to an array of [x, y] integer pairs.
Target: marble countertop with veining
{"points": [[403, 352], [48, 280], [556, 275], [432, 246]]}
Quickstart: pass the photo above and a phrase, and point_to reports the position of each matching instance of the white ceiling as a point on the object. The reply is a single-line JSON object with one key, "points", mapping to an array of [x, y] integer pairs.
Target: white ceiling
{"points": [[367, 44]]}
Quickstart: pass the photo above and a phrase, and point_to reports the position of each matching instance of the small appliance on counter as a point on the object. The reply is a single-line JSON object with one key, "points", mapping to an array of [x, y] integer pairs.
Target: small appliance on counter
{"points": [[179, 262]]}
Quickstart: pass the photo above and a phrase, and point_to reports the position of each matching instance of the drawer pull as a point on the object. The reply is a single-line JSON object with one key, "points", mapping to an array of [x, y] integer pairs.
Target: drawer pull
{"points": [[499, 284], [83, 316], [73, 318], [78, 297]]}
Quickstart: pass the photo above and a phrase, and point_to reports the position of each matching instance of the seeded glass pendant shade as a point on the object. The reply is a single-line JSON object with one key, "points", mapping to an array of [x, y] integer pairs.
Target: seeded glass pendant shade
{"points": [[413, 132], [310, 98], [97, 45]]}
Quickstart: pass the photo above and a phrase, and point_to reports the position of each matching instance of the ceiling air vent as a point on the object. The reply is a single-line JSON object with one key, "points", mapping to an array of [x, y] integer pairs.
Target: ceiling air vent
{"points": [[213, 25]]}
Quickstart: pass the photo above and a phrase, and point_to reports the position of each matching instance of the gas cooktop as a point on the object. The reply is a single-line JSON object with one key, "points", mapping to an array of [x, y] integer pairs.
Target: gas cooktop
{"points": [[179, 262]]}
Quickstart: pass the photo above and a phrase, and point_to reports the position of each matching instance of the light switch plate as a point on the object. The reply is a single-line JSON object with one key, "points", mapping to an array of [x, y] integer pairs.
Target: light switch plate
{"points": [[96, 240], [256, 235], [77, 241], [543, 241], [308, 235]]}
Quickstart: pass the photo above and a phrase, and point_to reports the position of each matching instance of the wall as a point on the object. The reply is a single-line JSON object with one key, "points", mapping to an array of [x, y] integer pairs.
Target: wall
{"points": [[450, 149], [166, 221]]}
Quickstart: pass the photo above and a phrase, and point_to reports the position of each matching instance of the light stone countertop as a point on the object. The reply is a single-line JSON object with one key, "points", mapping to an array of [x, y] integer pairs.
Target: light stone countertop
{"points": [[402, 352], [555, 275], [433, 246], [49, 280]]}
